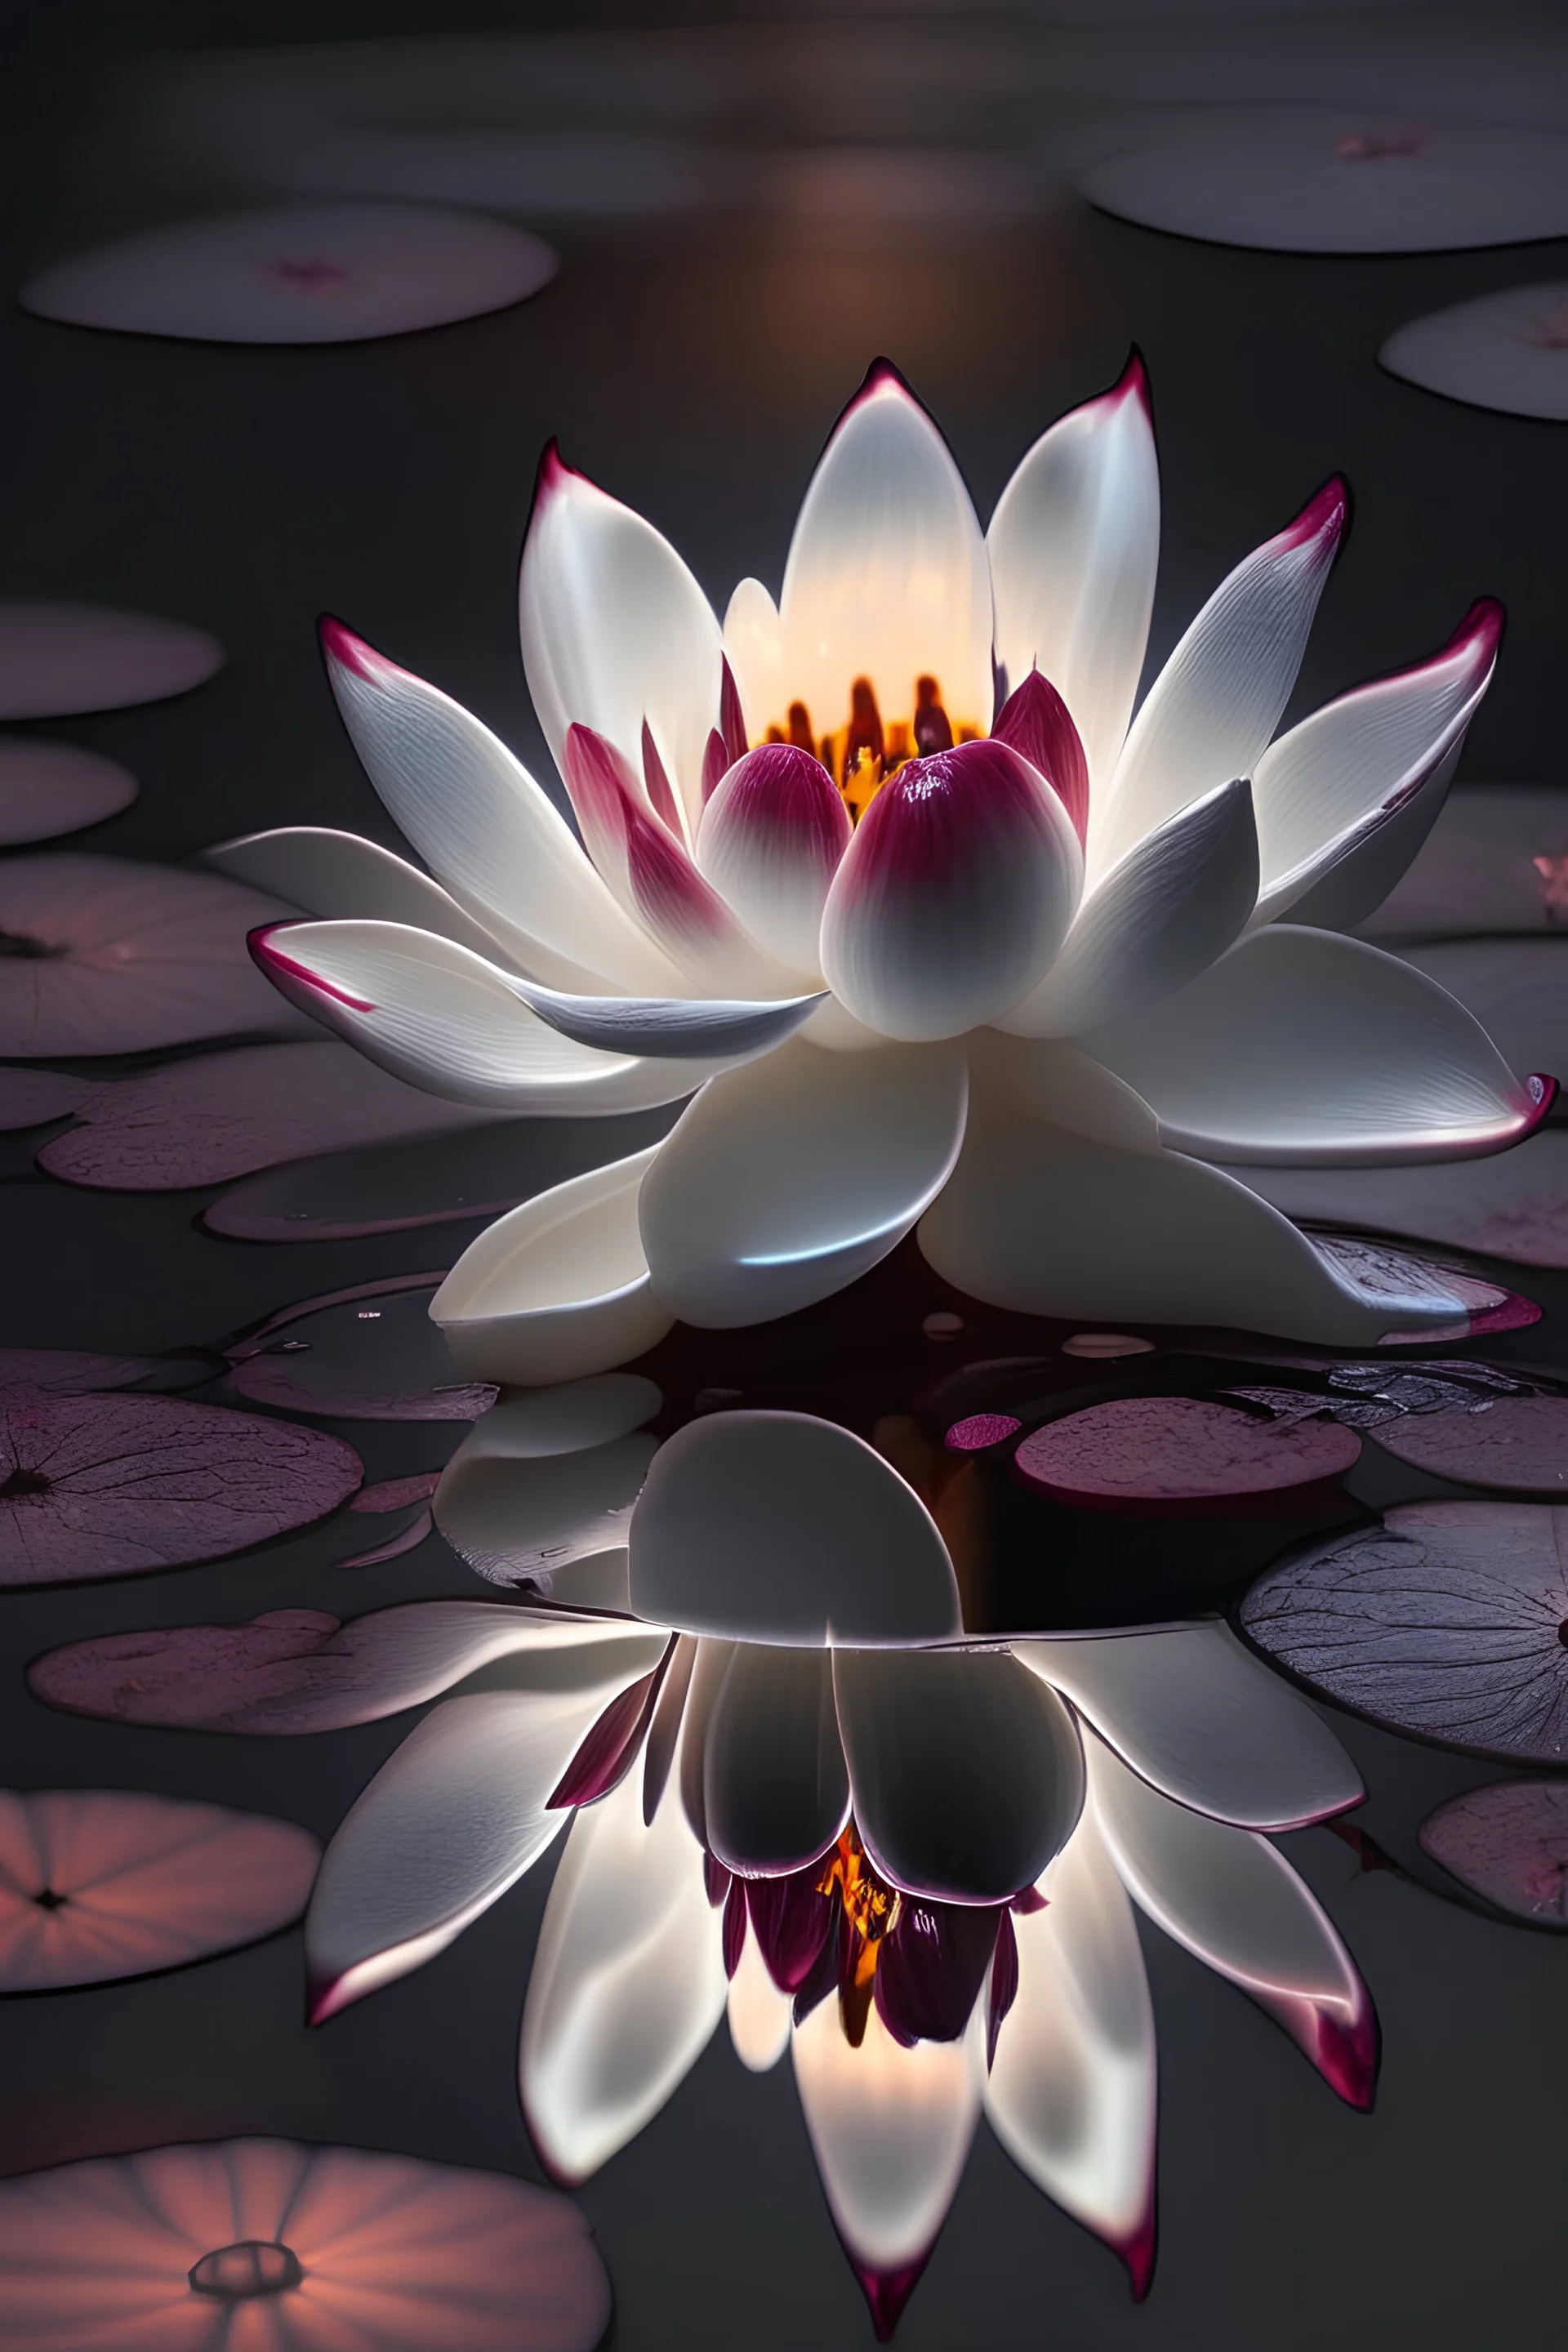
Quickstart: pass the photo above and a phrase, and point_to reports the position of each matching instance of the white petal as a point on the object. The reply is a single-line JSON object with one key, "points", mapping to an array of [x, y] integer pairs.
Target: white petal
{"points": [[1329, 791], [955, 895], [627, 1985], [1071, 2093], [616, 634], [443, 1019], [456, 1815], [776, 1788], [557, 1288], [483, 826], [779, 1528], [966, 1771], [1215, 705], [1304, 1045], [1154, 921], [887, 577], [1196, 1714], [784, 1181], [519, 1509], [759, 2011], [662, 1027], [1515, 988], [338, 874], [1042, 1078], [754, 647], [891, 2129], [1044, 1221], [1073, 545], [1235, 1904], [770, 840]]}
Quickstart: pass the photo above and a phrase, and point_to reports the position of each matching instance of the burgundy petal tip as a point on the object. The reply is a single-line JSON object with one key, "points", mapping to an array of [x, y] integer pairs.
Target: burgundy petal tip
{"points": [[340, 645], [1347, 2057], [271, 960], [1325, 515], [324, 1996], [1137, 2250], [882, 376], [1132, 384], [888, 2293], [553, 475], [1543, 1088], [1482, 627]]}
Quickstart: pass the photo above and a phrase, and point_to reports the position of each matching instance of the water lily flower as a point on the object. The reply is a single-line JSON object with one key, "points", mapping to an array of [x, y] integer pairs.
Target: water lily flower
{"points": [[939, 927], [800, 1795]]}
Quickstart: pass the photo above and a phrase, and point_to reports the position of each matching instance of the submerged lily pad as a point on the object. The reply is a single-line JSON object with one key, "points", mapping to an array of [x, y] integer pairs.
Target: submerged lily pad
{"points": [[99, 1884], [368, 1354], [1446, 1621], [1147, 1453], [111, 1486], [1517, 1445], [1508, 1844]]}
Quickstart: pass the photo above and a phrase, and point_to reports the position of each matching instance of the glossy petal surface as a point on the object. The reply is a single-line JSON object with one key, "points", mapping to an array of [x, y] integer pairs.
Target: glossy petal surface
{"points": [[770, 842], [518, 1513], [775, 1786], [343, 877]]}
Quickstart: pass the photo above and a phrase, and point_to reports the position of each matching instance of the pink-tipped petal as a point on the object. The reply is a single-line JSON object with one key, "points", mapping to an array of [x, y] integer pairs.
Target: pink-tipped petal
{"points": [[616, 634], [886, 576], [1036, 722], [483, 826], [1214, 706], [771, 841], [1073, 546], [322, 872], [1235, 1902], [656, 785], [955, 895], [1345, 800]]}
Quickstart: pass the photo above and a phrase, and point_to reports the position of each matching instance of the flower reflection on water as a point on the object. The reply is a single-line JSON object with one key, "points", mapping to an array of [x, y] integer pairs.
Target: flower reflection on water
{"points": [[802, 1793]]}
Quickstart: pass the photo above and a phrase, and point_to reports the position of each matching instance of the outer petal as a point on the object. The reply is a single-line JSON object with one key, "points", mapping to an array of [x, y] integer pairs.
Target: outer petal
{"points": [[447, 1824], [1345, 800], [443, 1018], [770, 840], [775, 1788], [781, 1185], [777, 1527], [955, 895], [615, 631], [517, 1512], [1073, 545], [967, 1773], [1048, 1223], [1216, 702], [557, 1288], [754, 647], [341, 876], [891, 2129], [483, 826], [1305, 1046], [1155, 922], [1234, 1901], [1072, 2089], [887, 577], [1197, 1715], [629, 1981]]}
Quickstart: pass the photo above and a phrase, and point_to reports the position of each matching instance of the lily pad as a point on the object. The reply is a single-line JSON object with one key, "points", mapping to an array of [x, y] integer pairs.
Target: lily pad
{"points": [[368, 1354], [1505, 350], [1154, 1452], [1508, 1844], [47, 789], [1517, 1445], [59, 659]]}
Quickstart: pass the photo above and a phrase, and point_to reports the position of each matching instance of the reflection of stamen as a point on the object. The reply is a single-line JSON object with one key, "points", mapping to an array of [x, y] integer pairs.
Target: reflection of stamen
{"points": [[250, 2267], [870, 1913]]}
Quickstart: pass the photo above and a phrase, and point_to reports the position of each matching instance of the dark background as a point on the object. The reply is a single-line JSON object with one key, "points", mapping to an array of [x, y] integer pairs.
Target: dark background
{"points": [[693, 365]]}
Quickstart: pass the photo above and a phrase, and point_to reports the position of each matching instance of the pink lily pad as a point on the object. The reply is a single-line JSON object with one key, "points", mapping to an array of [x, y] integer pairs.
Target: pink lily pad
{"points": [[368, 1354], [1445, 1622], [1508, 1844], [99, 1884], [110, 1486], [103, 955], [221, 1115], [59, 659], [46, 789], [213, 1677], [1154, 1452], [396, 1494], [1516, 1445], [264, 2242], [33, 1097], [408, 1497]]}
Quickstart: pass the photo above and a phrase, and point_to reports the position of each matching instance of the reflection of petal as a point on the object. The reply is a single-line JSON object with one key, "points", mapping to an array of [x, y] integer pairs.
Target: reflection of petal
{"points": [[891, 2129], [1303, 1045], [1216, 702], [1071, 2092], [780, 1528], [1197, 1715], [629, 1981], [759, 2011], [449, 1823], [1073, 545], [784, 1181], [517, 1513], [1235, 1904], [776, 1788], [967, 1772], [559, 1287]]}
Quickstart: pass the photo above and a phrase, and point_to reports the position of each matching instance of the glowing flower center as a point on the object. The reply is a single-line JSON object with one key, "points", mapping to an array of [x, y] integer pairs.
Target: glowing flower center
{"points": [[865, 751], [870, 1913], [250, 2267]]}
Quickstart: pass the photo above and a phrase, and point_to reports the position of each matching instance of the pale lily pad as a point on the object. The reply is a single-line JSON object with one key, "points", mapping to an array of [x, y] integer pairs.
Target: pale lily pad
{"points": [[59, 659], [47, 789], [1517, 1445], [1149, 1453], [1508, 1844]]}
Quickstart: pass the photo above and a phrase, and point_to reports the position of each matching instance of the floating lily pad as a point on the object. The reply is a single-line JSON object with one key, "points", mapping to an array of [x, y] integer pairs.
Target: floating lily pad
{"points": [[33, 1097], [1508, 1844], [47, 789], [59, 659], [110, 1486], [1446, 1621], [368, 1354], [98, 1883], [1518, 1445], [1506, 351], [1151, 1452]]}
